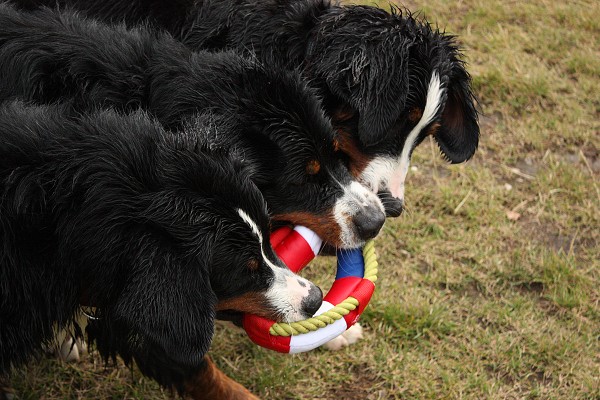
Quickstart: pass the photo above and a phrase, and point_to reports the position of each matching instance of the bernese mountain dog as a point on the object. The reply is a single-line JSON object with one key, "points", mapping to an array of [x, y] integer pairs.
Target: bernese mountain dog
{"points": [[387, 79], [154, 229], [288, 142]]}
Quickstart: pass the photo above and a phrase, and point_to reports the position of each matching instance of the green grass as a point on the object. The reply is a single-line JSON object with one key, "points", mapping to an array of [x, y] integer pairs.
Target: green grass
{"points": [[470, 304]]}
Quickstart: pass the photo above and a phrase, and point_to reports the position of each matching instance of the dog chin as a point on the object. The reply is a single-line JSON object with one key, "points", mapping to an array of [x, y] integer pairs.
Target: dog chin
{"points": [[352, 243]]}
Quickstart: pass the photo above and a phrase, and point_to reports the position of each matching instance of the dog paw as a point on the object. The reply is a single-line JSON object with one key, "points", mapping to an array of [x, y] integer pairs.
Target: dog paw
{"points": [[68, 350], [81, 346], [350, 336], [353, 334], [336, 343]]}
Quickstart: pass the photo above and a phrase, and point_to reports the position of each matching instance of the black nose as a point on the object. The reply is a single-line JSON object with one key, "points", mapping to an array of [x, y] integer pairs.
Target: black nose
{"points": [[313, 301], [393, 205], [368, 222]]}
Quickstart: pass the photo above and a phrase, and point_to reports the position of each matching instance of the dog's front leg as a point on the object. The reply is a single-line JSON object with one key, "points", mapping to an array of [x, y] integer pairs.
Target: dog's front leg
{"points": [[210, 383]]}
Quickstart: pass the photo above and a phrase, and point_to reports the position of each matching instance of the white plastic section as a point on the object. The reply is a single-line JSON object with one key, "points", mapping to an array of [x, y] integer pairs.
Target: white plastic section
{"points": [[312, 340], [313, 240]]}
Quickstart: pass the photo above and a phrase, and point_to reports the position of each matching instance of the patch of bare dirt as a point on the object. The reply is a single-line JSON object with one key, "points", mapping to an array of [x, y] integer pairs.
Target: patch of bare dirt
{"points": [[548, 235], [530, 287], [358, 386], [588, 155]]}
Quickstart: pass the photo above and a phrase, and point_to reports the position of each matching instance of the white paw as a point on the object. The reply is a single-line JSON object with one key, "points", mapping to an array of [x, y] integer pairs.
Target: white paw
{"points": [[68, 350], [336, 343], [82, 346], [350, 336], [353, 334]]}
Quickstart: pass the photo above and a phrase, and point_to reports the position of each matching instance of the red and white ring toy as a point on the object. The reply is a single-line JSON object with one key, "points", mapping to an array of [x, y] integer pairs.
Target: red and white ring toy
{"points": [[296, 248]]}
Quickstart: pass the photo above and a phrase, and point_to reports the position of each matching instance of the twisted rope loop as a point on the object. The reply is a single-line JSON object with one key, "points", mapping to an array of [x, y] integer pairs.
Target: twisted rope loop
{"points": [[337, 312]]}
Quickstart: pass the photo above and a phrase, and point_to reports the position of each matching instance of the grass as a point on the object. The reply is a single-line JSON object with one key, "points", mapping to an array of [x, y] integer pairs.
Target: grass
{"points": [[489, 283]]}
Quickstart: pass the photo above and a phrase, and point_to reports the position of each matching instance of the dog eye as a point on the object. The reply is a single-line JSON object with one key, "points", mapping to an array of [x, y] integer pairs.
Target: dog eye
{"points": [[313, 167], [415, 114], [253, 264]]}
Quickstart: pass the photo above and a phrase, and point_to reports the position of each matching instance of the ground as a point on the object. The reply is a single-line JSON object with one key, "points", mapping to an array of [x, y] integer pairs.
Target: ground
{"points": [[489, 282]]}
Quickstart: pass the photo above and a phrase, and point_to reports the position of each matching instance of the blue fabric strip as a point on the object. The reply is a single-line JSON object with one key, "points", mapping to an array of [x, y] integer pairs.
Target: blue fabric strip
{"points": [[350, 262]]}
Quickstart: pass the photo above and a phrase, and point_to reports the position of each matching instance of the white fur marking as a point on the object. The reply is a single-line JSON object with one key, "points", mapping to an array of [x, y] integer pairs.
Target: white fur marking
{"points": [[258, 233], [392, 172], [378, 171], [286, 293], [356, 197]]}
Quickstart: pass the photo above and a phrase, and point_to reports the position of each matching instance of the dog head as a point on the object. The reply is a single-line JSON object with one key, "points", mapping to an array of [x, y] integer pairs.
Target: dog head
{"points": [[288, 148], [166, 232], [283, 136], [389, 81]]}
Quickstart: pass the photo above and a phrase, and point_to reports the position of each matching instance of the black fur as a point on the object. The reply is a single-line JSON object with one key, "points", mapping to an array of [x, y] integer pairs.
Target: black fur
{"points": [[365, 61], [46, 56], [115, 212]]}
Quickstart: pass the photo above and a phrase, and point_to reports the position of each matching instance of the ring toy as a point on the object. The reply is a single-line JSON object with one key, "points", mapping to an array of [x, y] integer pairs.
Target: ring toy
{"points": [[342, 305]]}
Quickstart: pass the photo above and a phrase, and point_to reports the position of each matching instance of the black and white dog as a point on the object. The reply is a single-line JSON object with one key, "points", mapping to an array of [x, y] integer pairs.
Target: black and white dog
{"points": [[152, 228], [387, 79], [288, 143]]}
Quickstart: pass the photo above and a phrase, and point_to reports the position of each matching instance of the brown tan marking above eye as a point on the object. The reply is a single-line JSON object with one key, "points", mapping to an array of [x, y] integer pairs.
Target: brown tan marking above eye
{"points": [[343, 113], [415, 114], [313, 167], [336, 145], [253, 264], [349, 146]]}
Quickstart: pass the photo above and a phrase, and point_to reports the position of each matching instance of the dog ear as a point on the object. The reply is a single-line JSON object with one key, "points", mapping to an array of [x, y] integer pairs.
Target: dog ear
{"points": [[247, 147], [458, 133], [168, 308], [374, 84], [258, 157], [380, 101], [377, 89]]}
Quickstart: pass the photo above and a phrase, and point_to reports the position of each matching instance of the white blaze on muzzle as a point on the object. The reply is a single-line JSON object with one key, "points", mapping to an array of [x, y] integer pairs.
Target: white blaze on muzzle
{"points": [[356, 199], [390, 173], [288, 291]]}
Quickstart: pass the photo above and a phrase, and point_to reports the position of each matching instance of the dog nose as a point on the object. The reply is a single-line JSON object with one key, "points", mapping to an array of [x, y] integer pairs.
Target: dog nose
{"points": [[368, 222], [313, 301], [393, 205]]}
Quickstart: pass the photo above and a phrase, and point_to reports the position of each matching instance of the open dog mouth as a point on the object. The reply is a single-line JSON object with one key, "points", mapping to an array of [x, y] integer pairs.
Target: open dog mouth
{"points": [[288, 300], [393, 205], [236, 317]]}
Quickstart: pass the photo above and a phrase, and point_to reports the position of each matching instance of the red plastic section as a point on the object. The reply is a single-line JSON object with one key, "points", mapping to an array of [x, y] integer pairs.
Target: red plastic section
{"points": [[294, 251], [257, 329], [363, 293], [341, 289], [359, 288], [278, 235]]}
